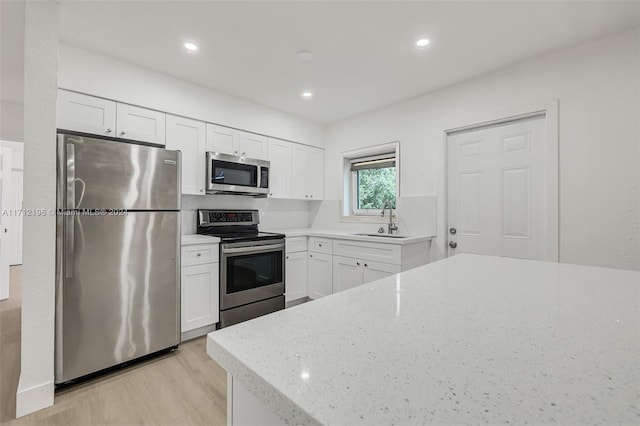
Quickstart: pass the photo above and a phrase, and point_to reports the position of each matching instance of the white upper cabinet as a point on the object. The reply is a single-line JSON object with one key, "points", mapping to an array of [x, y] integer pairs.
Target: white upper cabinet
{"points": [[307, 172], [253, 146], [188, 136], [280, 171], [140, 124], [223, 139], [86, 114], [315, 159]]}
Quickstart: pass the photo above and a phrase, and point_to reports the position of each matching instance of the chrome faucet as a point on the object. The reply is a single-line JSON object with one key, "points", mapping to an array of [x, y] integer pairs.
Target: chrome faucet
{"points": [[392, 226]]}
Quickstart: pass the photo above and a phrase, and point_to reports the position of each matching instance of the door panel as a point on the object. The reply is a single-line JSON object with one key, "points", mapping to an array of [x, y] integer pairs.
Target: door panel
{"points": [[222, 139], [280, 171], [199, 301], [320, 276], [296, 276], [141, 124], [118, 289], [253, 146], [347, 273], [6, 233], [188, 136], [497, 190], [375, 270], [85, 113], [114, 175]]}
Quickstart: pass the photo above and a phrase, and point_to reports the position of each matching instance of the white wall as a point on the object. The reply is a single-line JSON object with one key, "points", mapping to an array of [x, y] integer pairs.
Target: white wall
{"points": [[35, 389], [274, 213], [597, 85], [89, 72], [11, 121]]}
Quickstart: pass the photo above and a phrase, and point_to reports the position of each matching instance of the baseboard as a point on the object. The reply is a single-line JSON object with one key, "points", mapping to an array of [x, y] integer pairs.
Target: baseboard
{"points": [[200, 331], [34, 398]]}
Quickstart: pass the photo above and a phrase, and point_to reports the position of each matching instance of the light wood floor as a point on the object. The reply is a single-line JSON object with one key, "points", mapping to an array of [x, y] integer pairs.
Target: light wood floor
{"points": [[183, 388]]}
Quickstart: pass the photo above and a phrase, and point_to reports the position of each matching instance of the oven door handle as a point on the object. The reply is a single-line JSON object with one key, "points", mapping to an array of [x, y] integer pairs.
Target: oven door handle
{"points": [[253, 249]]}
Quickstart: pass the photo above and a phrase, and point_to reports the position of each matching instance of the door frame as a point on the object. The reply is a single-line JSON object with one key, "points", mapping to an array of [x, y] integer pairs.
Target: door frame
{"points": [[549, 109], [5, 237]]}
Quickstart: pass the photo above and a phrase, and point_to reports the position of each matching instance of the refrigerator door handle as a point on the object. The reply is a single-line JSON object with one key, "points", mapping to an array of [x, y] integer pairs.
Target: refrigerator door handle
{"points": [[71, 176], [69, 244]]}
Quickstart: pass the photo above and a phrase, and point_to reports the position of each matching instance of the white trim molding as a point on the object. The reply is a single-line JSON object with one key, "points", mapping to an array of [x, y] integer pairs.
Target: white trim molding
{"points": [[34, 398]]}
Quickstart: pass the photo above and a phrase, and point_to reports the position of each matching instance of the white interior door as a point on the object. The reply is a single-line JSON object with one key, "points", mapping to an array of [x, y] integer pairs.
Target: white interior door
{"points": [[497, 190], [16, 221], [5, 243]]}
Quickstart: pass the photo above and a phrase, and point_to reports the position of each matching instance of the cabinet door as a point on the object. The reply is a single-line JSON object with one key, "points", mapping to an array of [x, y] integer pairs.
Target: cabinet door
{"points": [[280, 171], [223, 139], [84, 113], [188, 136], [372, 271], [299, 172], [295, 276], [315, 173], [319, 275], [200, 296], [347, 273], [253, 146], [140, 124]]}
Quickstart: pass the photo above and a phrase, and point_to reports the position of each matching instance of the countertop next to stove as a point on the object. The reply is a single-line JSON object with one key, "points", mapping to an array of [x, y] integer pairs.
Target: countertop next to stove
{"points": [[199, 239], [343, 235], [466, 340]]}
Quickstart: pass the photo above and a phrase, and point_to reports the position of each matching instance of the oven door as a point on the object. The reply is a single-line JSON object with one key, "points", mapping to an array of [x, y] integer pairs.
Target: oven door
{"points": [[236, 175], [250, 271]]}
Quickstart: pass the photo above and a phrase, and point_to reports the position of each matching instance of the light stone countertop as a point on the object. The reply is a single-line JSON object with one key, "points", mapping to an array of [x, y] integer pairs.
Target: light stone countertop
{"points": [[466, 340], [189, 239], [343, 235]]}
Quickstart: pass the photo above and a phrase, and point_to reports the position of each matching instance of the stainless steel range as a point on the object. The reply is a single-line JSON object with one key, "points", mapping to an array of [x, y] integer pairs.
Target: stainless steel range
{"points": [[251, 264]]}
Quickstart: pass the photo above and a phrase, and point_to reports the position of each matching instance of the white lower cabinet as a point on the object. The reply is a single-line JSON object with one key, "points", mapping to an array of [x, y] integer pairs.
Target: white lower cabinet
{"points": [[349, 272], [199, 290], [372, 271], [295, 276], [319, 275]]}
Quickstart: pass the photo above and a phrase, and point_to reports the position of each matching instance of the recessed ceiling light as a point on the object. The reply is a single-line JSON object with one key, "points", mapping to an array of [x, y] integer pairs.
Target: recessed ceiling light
{"points": [[307, 94], [191, 46], [423, 42]]}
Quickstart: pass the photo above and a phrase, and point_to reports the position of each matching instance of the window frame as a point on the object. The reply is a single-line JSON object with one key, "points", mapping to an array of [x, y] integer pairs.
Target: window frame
{"points": [[349, 211]]}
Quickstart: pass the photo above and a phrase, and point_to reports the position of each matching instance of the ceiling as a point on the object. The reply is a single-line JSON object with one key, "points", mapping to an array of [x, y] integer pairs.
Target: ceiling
{"points": [[364, 53]]}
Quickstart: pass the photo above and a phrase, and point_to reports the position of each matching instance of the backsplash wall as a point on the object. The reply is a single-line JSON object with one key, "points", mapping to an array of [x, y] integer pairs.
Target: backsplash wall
{"points": [[274, 213]]}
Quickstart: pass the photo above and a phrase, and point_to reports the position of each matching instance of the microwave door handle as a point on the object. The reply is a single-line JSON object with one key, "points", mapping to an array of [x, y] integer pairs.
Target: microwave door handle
{"points": [[253, 249]]}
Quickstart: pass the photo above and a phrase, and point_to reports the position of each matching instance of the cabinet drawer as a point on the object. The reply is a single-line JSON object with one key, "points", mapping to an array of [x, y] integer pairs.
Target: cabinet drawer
{"points": [[320, 245], [295, 244], [198, 254], [386, 253]]}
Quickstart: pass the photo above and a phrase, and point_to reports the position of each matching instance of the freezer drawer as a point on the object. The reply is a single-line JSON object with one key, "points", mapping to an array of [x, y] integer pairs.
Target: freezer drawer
{"points": [[104, 174], [117, 289]]}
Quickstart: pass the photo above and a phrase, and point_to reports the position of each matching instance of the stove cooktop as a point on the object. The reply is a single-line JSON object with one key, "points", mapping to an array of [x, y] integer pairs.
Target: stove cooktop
{"points": [[244, 236]]}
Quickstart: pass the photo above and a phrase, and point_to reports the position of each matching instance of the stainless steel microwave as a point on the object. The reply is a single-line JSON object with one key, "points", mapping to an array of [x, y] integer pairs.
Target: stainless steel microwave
{"points": [[232, 174]]}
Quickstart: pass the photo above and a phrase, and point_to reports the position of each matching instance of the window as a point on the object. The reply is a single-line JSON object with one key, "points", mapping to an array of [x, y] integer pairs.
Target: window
{"points": [[371, 181]]}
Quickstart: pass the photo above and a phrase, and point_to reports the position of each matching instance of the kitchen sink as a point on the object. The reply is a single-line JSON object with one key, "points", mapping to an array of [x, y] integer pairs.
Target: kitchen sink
{"points": [[382, 235]]}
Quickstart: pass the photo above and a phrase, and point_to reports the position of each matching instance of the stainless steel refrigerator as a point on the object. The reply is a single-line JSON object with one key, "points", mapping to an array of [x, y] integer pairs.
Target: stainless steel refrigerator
{"points": [[117, 253]]}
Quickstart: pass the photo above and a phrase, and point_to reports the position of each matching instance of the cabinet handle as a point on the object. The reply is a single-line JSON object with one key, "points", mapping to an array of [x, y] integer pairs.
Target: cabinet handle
{"points": [[122, 133], [310, 255], [287, 257], [235, 152], [244, 153], [108, 131], [358, 263], [306, 196], [311, 196], [366, 266], [319, 245], [199, 254]]}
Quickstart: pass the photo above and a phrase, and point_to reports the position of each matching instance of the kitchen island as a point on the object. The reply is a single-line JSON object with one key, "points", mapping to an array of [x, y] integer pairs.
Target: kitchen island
{"points": [[466, 340]]}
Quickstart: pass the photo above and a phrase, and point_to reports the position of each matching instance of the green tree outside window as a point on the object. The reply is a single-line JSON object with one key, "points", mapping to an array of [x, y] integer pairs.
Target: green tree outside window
{"points": [[375, 186]]}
